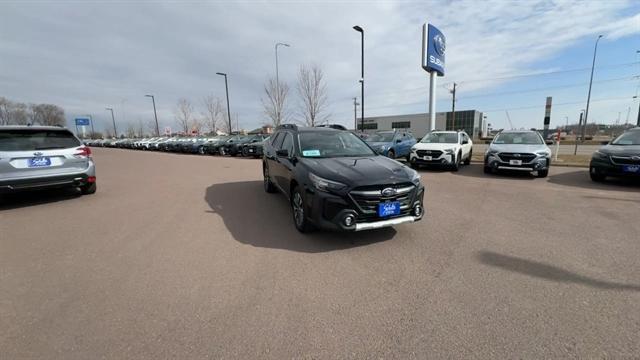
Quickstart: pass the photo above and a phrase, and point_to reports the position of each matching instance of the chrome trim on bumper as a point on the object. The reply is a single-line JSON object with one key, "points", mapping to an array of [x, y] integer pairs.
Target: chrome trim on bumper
{"points": [[385, 223], [514, 168]]}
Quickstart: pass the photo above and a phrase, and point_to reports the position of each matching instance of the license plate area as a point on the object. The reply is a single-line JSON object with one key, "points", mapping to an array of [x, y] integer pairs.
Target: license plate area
{"points": [[390, 208], [427, 158], [515, 162], [631, 168], [39, 162]]}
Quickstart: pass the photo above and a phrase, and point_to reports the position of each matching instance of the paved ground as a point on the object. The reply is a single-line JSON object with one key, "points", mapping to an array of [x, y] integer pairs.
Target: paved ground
{"points": [[186, 257], [564, 149]]}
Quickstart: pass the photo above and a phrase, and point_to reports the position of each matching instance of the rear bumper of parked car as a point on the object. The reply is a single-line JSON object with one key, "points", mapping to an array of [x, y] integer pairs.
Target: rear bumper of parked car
{"points": [[329, 212], [53, 181], [605, 167]]}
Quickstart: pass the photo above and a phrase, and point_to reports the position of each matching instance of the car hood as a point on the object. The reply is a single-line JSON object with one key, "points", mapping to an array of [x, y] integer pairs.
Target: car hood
{"points": [[360, 171], [621, 150], [518, 148], [435, 146]]}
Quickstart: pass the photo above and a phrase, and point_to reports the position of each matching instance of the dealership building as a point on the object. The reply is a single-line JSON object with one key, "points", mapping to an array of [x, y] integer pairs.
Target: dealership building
{"points": [[471, 121]]}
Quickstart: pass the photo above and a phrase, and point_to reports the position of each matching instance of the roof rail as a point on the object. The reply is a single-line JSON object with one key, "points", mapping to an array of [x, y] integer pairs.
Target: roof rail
{"points": [[287, 126]]}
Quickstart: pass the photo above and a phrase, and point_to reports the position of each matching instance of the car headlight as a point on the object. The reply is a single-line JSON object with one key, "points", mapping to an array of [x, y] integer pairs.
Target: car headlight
{"points": [[449, 151], [543, 153], [600, 155], [492, 152], [413, 149], [323, 184]]}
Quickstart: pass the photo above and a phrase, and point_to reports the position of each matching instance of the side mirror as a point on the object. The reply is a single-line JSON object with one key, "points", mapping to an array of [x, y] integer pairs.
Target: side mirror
{"points": [[282, 153], [398, 141], [549, 142], [465, 142]]}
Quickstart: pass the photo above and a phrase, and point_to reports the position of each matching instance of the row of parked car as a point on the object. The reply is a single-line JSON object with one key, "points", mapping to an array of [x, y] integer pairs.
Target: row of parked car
{"points": [[233, 145]]}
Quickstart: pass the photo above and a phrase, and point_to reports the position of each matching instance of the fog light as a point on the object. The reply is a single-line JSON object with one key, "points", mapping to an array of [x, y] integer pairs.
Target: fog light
{"points": [[417, 210], [348, 220]]}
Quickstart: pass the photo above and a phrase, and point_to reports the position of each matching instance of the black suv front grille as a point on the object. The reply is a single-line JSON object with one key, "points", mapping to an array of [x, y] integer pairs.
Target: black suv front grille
{"points": [[432, 153], [626, 160], [367, 199], [506, 157]]}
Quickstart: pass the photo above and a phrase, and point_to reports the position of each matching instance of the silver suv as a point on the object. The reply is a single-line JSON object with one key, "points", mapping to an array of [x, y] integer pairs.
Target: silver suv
{"points": [[35, 157], [518, 150]]}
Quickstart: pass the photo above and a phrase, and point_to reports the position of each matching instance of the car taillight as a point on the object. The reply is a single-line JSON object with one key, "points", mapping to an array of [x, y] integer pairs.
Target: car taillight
{"points": [[84, 151]]}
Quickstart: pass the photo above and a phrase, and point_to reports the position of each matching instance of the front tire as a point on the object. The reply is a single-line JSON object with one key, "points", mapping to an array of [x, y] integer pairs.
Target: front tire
{"points": [[543, 173], [596, 176], [297, 208], [456, 163], [391, 154]]}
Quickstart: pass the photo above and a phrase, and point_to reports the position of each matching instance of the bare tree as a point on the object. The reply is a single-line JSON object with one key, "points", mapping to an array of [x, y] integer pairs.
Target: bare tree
{"points": [[214, 114], [313, 93], [48, 114], [183, 113], [275, 104]]}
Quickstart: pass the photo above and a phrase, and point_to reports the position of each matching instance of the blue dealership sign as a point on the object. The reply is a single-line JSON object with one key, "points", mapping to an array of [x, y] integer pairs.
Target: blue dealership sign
{"points": [[433, 49], [82, 121]]}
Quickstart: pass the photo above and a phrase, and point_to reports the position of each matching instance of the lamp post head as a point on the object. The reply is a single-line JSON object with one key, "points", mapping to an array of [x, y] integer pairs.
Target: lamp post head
{"points": [[149, 96], [222, 74], [358, 28], [109, 109]]}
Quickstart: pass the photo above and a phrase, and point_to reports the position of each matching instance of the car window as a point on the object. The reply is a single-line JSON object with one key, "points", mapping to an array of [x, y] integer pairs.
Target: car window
{"points": [[30, 140], [287, 143], [332, 144], [276, 137], [440, 138]]}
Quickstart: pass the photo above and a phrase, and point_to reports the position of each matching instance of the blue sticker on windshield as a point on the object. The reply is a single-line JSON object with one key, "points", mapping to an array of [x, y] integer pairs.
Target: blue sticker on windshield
{"points": [[310, 152]]}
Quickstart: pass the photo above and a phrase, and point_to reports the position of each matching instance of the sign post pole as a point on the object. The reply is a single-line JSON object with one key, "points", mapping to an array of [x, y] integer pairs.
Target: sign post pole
{"points": [[432, 101]]}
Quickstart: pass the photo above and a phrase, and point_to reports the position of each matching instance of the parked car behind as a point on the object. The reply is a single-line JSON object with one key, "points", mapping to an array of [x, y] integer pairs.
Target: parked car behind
{"points": [[213, 147], [443, 148], [36, 157], [621, 157], [255, 149], [518, 150], [394, 143]]}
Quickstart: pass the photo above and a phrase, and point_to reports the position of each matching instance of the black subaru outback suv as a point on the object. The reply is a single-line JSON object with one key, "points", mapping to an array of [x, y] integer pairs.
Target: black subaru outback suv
{"points": [[335, 181]]}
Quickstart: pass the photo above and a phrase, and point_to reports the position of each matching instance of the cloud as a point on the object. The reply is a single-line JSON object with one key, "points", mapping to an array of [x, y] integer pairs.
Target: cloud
{"points": [[85, 56]]}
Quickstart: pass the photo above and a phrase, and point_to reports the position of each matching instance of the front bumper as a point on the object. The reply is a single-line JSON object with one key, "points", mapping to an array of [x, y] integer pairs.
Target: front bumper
{"points": [[605, 167], [329, 211], [540, 162], [443, 160]]}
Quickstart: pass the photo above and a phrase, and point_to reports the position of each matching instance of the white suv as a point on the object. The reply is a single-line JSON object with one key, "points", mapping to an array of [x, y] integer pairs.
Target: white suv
{"points": [[444, 148]]}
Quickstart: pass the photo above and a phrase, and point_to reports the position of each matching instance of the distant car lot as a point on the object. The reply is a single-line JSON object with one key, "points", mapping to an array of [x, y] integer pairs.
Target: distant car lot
{"points": [[156, 265]]}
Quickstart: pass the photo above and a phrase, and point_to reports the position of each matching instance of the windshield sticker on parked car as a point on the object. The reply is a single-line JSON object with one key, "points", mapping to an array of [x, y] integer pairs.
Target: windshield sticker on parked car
{"points": [[311, 153]]}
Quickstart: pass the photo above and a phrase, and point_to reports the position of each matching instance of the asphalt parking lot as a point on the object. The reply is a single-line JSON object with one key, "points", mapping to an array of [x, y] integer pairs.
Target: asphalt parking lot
{"points": [[181, 256]]}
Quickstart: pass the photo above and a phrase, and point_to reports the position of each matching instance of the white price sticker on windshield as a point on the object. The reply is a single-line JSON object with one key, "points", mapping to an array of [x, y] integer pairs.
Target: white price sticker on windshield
{"points": [[310, 152]]}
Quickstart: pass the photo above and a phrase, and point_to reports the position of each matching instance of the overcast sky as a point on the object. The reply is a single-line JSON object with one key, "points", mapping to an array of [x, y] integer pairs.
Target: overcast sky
{"points": [[85, 55]]}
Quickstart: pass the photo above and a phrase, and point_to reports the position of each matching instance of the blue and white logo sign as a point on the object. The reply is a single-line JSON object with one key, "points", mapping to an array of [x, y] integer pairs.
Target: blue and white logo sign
{"points": [[82, 121], [434, 45]]}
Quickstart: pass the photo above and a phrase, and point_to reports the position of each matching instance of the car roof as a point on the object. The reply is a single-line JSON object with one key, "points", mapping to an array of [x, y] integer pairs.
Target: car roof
{"points": [[517, 131], [446, 131]]}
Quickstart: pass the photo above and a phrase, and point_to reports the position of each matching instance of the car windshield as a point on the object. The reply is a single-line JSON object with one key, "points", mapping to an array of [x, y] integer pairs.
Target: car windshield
{"points": [[523, 138], [30, 140], [326, 144], [381, 137], [440, 138], [628, 138]]}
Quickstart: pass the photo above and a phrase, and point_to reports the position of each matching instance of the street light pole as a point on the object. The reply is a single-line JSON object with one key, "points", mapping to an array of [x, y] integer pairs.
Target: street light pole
{"points": [[278, 84], [361, 31], [226, 86], [115, 131], [153, 99], [355, 113], [586, 113], [638, 122]]}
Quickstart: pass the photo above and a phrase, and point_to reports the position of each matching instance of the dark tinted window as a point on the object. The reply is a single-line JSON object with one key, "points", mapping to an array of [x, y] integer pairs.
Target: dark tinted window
{"points": [[29, 140], [276, 139], [332, 144], [287, 143], [628, 138]]}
